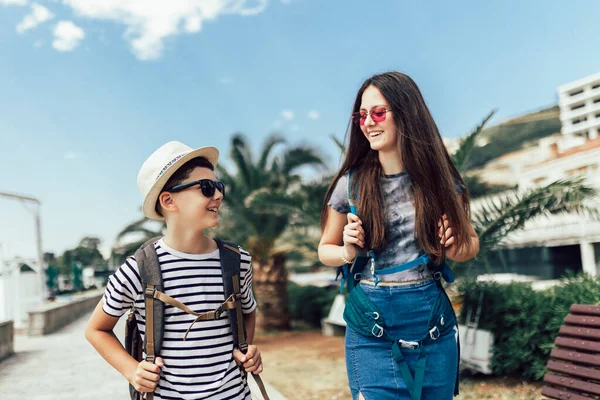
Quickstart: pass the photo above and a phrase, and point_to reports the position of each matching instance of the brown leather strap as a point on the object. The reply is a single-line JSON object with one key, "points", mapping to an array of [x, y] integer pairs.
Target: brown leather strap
{"points": [[149, 300], [240, 332], [207, 316], [238, 313], [261, 386]]}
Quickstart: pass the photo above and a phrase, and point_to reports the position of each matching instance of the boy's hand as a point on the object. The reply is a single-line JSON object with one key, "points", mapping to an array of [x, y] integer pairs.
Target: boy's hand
{"points": [[251, 361], [147, 375]]}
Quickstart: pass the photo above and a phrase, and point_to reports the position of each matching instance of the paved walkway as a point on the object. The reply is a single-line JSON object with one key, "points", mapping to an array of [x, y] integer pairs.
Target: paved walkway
{"points": [[64, 366]]}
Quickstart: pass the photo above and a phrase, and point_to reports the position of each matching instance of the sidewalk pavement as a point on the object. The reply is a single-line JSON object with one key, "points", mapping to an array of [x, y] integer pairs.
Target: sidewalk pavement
{"points": [[64, 366]]}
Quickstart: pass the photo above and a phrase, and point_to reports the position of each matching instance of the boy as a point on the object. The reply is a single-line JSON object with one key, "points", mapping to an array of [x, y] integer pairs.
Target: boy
{"points": [[179, 186]]}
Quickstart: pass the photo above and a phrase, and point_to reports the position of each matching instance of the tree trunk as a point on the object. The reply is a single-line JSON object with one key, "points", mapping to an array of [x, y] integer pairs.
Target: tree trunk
{"points": [[270, 290]]}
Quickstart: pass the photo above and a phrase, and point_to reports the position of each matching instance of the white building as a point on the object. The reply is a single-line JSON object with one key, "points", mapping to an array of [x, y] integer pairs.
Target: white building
{"points": [[569, 241], [19, 290], [579, 103]]}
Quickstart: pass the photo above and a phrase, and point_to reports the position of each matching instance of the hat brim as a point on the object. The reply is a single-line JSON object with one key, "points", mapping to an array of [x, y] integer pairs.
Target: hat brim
{"points": [[149, 206]]}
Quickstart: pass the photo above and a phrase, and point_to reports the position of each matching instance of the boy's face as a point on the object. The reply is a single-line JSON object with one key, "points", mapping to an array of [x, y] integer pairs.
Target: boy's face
{"points": [[192, 207]]}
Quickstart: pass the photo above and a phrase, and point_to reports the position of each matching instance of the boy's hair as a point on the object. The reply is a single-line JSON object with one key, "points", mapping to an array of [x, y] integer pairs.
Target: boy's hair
{"points": [[182, 174]]}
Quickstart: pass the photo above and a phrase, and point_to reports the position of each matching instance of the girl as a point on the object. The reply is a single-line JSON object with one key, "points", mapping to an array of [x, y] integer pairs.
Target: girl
{"points": [[411, 210]]}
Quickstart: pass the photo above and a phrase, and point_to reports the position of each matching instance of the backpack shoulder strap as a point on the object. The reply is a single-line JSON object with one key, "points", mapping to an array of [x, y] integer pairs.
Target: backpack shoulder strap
{"points": [[230, 269], [149, 267], [351, 197]]}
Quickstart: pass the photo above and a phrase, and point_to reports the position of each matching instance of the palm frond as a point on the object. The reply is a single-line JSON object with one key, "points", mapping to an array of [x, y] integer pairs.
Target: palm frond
{"points": [[300, 156], [268, 146], [339, 144], [498, 218], [138, 227], [266, 201], [242, 157], [461, 157]]}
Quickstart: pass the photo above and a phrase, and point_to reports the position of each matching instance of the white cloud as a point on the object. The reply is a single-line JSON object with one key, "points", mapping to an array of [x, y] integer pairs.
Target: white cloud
{"points": [[67, 36], [13, 2], [74, 155], [313, 114], [288, 115], [226, 80], [148, 23], [39, 14]]}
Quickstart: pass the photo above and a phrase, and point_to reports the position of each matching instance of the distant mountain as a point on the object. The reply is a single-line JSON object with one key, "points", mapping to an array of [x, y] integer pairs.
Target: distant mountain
{"points": [[514, 134]]}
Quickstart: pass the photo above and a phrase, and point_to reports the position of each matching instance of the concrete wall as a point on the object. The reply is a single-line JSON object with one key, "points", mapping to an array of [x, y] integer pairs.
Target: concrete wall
{"points": [[56, 316], [6, 339]]}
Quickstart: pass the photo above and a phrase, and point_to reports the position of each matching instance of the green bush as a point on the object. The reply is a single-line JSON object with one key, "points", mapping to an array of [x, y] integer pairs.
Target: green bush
{"points": [[524, 322], [310, 304]]}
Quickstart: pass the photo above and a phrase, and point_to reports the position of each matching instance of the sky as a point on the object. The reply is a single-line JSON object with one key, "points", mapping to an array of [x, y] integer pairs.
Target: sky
{"points": [[90, 88]]}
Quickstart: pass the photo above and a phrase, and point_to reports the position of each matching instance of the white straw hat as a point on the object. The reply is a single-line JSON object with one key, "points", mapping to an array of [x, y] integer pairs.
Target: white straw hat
{"points": [[161, 165]]}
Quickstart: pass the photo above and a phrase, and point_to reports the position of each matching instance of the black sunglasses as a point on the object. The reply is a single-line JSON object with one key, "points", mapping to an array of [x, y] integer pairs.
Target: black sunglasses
{"points": [[206, 186]]}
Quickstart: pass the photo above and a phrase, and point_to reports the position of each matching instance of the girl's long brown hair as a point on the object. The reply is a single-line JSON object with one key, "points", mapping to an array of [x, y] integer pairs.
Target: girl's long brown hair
{"points": [[424, 158]]}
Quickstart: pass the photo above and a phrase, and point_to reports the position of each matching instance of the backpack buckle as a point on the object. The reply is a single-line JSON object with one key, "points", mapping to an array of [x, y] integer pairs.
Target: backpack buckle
{"points": [[149, 292], [218, 312], [243, 346], [150, 358], [437, 275], [408, 345]]}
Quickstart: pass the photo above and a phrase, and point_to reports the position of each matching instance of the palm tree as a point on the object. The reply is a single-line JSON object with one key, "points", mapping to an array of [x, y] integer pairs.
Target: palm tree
{"points": [[265, 203]]}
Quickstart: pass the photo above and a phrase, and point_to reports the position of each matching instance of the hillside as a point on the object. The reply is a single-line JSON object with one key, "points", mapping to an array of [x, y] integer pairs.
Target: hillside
{"points": [[515, 134]]}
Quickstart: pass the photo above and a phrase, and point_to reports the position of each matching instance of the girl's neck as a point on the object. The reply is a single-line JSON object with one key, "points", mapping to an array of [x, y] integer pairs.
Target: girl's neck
{"points": [[391, 162]]}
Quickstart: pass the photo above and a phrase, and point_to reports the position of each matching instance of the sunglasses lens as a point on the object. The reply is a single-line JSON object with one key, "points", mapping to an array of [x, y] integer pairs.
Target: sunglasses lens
{"points": [[221, 187], [207, 187], [359, 118], [378, 114]]}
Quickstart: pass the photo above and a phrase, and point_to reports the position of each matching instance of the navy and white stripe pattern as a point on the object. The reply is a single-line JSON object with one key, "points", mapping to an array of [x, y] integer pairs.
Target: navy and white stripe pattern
{"points": [[202, 367]]}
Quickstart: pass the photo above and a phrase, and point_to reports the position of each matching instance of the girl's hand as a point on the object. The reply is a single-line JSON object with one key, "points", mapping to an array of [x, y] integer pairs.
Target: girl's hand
{"points": [[353, 236], [446, 236]]}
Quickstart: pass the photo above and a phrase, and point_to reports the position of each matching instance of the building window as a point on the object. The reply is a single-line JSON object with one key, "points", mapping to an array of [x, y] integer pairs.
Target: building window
{"points": [[597, 100], [578, 120], [576, 92], [578, 106], [596, 86]]}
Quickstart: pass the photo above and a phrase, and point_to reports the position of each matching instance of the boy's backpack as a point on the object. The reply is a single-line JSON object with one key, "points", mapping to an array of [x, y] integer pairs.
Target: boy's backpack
{"points": [[155, 299]]}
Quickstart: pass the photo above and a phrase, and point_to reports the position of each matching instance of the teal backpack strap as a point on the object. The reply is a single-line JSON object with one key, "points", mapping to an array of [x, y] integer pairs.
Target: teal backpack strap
{"points": [[351, 198]]}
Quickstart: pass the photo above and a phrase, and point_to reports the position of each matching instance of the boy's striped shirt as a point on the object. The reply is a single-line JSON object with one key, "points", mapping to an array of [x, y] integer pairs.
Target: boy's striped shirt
{"points": [[202, 366]]}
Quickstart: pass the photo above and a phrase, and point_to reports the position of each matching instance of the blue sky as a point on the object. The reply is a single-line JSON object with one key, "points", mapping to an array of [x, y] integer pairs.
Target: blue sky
{"points": [[89, 88]]}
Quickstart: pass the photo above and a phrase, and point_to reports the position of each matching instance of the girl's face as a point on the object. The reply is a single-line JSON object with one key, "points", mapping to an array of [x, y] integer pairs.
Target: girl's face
{"points": [[376, 120]]}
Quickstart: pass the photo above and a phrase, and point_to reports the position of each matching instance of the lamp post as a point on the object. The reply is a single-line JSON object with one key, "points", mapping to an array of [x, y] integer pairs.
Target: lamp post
{"points": [[38, 234]]}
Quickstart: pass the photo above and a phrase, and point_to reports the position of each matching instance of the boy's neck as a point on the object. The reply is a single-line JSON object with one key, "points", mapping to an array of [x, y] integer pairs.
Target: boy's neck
{"points": [[190, 242]]}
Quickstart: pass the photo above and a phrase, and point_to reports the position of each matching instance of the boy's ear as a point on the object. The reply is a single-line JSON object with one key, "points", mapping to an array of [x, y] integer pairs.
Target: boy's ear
{"points": [[167, 202]]}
